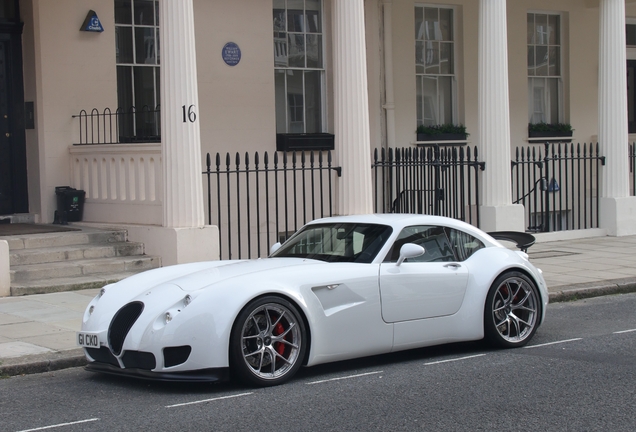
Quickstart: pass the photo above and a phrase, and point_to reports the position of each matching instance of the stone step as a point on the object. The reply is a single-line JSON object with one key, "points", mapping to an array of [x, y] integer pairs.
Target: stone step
{"points": [[66, 284], [69, 238], [74, 252], [66, 269]]}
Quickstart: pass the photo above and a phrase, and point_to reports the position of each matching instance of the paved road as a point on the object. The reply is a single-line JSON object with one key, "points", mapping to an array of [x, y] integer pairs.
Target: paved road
{"points": [[578, 374]]}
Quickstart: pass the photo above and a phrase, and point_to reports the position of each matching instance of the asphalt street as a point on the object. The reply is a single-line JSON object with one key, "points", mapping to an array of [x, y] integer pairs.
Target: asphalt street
{"points": [[577, 374]]}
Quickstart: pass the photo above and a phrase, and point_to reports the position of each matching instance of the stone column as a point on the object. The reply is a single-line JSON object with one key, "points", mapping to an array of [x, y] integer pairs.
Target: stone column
{"points": [[389, 94], [497, 211], [180, 133], [183, 237], [618, 209], [353, 147]]}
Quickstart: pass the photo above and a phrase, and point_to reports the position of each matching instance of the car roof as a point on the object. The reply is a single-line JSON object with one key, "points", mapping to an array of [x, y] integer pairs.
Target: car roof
{"points": [[401, 220]]}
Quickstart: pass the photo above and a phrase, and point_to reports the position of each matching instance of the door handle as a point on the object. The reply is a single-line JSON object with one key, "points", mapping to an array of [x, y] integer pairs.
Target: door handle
{"points": [[453, 266]]}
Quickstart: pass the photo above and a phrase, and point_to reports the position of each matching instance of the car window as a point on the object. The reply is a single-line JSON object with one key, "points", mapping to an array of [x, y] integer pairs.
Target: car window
{"points": [[336, 242], [433, 239], [463, 244]]}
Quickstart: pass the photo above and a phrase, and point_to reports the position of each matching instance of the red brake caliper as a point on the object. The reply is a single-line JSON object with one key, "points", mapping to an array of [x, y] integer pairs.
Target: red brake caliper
{"points": [[278, 346]]}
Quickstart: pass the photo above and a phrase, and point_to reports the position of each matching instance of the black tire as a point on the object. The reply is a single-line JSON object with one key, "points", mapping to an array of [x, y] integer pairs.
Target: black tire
{"points": [[267, 328], [513, 310]]}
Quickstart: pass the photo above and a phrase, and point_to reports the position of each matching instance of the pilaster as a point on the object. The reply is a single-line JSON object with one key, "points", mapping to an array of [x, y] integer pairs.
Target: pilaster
{"points": [[498, 212], [180, 132], [351, 106]]}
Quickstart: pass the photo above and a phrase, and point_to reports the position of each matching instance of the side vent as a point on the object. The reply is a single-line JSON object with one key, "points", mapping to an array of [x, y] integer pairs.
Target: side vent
{"points": [[173, 356], [121, 324]]}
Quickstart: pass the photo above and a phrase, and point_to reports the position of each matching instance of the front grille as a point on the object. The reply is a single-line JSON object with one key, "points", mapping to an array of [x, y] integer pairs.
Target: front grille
{"points": [[102, 355], [121, 324], [139, 360], [173, 356]]}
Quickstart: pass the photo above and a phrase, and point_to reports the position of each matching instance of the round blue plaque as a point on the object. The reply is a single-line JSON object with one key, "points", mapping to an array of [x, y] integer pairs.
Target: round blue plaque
{"points": [[231, 54]]}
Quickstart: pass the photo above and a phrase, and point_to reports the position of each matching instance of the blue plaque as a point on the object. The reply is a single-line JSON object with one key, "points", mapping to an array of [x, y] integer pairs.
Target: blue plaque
{"points": [[231, 54]]}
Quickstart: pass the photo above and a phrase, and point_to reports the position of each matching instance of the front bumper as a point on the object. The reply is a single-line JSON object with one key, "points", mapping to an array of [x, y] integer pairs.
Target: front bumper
{"points": [[200, 375]]}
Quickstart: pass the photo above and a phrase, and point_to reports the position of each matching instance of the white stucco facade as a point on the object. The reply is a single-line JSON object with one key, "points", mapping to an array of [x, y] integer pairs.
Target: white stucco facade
{"points": [[369, 98]]}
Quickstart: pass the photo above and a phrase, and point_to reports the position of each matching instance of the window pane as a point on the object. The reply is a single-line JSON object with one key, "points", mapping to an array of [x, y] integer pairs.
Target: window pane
{"points": [[123, 45], [432, 57], [419, 92], [446, 24], [631, 34], [295, 101], [541, 23], [313, 103], [419, 23], [446, 58], [144, 87], [538, 97], [431, 17], [420, 56], [281, 104], [296, 50], [531, 63], [531, 29], [279, 16], [314, 21], [542, 60], [295, 16], [314, 51], [124, 87], [555, 64], [145, 45], [429, 101], [554, 31], [144, 12], [123, 14], [553, 96], [445, 100], [157, 33]]}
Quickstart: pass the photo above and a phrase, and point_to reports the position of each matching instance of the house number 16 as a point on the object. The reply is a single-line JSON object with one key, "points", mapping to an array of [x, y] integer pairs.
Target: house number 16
{"points": [[189, 115]]}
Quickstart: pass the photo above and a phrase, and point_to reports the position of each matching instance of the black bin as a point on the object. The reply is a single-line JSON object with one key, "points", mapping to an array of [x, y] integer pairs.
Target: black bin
{"points": [[70, 203]]}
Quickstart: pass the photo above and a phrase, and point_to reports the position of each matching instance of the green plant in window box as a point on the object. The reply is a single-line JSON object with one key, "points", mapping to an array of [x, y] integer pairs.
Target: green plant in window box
{"points": [[545, 130], [443, 132]]}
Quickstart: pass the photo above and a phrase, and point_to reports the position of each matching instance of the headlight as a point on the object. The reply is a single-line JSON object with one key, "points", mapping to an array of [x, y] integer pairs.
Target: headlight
{"points": [[168, 317], [102, 292], [187, 300], [91, 309]]}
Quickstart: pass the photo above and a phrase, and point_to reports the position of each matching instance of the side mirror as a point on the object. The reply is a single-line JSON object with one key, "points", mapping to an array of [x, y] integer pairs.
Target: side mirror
{"points": [[410, 250], [274, 247]]}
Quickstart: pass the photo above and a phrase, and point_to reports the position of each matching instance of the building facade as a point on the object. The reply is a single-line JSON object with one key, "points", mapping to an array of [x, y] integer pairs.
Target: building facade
{"points": [[216, 76]]}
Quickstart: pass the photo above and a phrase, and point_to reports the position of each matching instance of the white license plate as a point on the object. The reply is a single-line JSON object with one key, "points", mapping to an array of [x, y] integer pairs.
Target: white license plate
{"points": [[88, 340]]}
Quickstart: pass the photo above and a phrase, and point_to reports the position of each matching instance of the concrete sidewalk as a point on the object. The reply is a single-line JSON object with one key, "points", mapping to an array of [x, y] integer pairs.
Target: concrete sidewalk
{"points": [[37, 332]]}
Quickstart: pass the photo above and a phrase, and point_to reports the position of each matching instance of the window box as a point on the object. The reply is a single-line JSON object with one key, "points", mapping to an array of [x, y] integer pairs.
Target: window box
{"points": [[550, 132], [442, 137], [302, 142]]}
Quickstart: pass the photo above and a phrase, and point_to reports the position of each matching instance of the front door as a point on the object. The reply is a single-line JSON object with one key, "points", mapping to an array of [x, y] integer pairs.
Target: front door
{"points": [[13, 174], [631, 95]]}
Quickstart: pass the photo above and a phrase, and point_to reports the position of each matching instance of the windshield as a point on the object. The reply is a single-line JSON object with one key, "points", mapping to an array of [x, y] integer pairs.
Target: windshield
{"points": [[336, 242]]}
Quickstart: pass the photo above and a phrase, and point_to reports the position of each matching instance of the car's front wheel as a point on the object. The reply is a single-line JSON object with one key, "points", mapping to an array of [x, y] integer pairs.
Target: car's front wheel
{"points": [[512, 311], [268, 342]]}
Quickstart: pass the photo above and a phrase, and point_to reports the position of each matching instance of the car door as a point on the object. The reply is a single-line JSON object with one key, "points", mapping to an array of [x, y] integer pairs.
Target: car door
{"points": [[431, 285]]}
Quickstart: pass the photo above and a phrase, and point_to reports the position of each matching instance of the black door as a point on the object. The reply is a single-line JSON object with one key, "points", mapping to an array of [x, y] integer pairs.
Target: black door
{"points": [[13, 173]]}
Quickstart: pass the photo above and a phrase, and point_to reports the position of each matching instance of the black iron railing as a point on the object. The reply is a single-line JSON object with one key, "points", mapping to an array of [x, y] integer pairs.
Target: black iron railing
{"points": [[122, 126], [256, 204], [558, 185], [428, 180], [632, 170]]}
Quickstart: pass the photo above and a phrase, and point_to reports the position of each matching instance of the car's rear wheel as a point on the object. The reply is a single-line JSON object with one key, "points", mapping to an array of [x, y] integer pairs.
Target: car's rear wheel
{"points": [[512, 311], [268, 342]]}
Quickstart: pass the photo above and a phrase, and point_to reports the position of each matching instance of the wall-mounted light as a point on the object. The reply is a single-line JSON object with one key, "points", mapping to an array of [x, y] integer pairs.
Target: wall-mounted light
{"points": [[92, 23]]}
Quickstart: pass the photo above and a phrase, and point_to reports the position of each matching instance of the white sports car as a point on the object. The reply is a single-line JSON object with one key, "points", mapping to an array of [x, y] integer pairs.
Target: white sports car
{"points": [[340, 288]]}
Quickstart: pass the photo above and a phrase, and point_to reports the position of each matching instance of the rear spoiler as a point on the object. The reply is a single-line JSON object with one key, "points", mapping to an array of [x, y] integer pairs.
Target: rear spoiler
{"points": [[523, 240]]}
